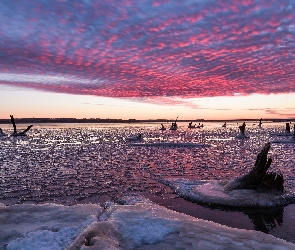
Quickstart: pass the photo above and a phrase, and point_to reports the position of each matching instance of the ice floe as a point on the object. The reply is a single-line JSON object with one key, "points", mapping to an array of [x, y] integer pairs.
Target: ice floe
{"points": [[150, 226], [170, 144], [212, 193], [44, 226], [140, 224], [291, 140]]}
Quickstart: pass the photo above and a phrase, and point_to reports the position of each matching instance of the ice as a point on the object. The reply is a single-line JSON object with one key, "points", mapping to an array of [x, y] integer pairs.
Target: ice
{"points": [[134, 138], [170, 144], [291, 140], [211, 192], [44, 226], [81, 163], [242, 136], [150, 226], [44, 239]]}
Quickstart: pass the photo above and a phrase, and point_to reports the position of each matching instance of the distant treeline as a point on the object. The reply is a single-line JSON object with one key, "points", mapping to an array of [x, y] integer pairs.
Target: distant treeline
{"points": [[99, 120]]}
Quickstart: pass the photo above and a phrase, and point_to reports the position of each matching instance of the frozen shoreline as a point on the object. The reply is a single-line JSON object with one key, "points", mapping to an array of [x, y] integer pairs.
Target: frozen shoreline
{"points": [[141, 224]]}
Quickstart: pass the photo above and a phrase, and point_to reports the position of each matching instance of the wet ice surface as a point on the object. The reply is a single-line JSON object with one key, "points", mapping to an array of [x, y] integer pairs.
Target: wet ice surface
{"points": [[149, 226], [81, 163], [212, 193], [46, 226], [138, 224]]}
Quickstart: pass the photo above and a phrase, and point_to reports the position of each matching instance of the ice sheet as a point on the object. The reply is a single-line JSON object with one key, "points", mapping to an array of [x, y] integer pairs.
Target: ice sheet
{"points": [[143, 225], [291, 140], [150, 226], [211, 192], [45, 226], [170, 144]]}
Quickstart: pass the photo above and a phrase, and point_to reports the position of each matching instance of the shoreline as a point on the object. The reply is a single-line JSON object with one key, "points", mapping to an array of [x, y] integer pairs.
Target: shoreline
{"points": [[98, 120]]}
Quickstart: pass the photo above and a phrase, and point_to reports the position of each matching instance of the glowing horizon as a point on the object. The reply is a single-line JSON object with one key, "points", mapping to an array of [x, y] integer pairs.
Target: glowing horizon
{"points": [[149, 55]]}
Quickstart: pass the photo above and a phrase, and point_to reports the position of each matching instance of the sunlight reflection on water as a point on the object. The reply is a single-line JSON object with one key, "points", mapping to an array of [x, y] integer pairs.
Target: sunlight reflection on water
{"points": [[100, 160], [76, 163]]}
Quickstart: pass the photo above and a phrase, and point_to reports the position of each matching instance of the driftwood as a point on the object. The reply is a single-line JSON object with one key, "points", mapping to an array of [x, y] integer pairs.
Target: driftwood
{"points": [[15, 133], [288, 130], [258, 177], [265, 220], [260, 123], [242, 128], [1, 132]]}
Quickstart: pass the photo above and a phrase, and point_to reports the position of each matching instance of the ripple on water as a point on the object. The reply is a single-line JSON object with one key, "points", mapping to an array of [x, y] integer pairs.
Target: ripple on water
{"points": [[72, 164]]}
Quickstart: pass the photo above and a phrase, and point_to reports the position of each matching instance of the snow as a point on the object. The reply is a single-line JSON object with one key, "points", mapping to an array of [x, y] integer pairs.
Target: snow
{"points": [[140, 224], [150, 226], [45, 226]]}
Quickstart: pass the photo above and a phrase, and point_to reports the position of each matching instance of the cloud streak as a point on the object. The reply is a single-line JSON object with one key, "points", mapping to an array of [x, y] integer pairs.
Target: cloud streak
{"points": [[149, 49]]}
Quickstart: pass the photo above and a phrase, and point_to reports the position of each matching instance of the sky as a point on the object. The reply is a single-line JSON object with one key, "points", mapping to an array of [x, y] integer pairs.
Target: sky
{"points": [[148, 59]]}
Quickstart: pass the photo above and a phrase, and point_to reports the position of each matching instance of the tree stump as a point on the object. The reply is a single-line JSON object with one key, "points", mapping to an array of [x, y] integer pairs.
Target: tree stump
{"points": [[288, 130], [242, 128], [260, 123], [258, 177], [15, 133], [1, 132]]}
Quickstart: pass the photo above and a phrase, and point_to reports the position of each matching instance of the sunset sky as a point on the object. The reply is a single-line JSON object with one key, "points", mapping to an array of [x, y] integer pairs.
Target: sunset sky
{"points": [[147, 59]]}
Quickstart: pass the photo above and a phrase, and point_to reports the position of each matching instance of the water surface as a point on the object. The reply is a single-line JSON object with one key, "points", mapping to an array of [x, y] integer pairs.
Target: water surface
{"points": [[92, 163]]}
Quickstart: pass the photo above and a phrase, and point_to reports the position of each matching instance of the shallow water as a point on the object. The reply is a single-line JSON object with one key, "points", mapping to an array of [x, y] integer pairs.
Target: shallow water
{"points": [[81, 163]]}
